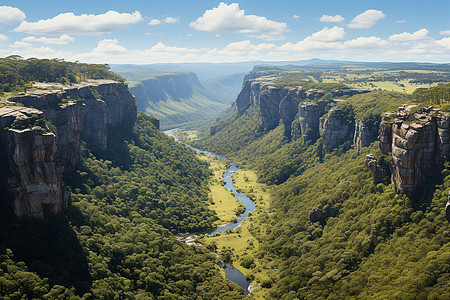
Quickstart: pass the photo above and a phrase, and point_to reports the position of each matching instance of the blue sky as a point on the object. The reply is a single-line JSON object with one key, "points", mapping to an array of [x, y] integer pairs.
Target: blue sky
{"points": [[225, 31]]}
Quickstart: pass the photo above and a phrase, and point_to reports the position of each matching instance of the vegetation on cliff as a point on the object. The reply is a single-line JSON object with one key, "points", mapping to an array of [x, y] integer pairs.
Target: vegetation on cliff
{"points": [[17, 74], [116, 239], [439, 95], [369, 242]]}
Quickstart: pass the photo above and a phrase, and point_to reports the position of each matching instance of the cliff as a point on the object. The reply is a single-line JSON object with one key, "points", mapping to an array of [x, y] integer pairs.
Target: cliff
{"points": [[41, 144], [293, 106], [418, 139], [175, 98], [337, 128]]}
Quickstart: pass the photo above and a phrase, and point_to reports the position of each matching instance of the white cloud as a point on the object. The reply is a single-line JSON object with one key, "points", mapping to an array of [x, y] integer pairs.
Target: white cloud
{"points": [[11, 15], [336, 18], [445, 32], [445, 42], [295, 17], [366, 19], [62, 40], [154, 22], [309, 45], [247, 45], [20, 44], [328, 34], [171, 20], [68, 23], [167, 20], [109, 46], [161, 47], [406, 36], [366, 42], [399, 22], [3, 37], [230, 18]]}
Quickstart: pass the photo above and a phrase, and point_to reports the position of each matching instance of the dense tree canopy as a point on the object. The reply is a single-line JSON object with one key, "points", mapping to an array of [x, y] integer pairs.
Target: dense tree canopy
{"points": [[116, 240], [16, 73], [372, 242]]}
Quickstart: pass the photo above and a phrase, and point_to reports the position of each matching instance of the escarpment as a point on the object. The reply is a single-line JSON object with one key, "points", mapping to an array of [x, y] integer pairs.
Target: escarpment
{"points": [[418, 140], [302, 112], [41, 144]]}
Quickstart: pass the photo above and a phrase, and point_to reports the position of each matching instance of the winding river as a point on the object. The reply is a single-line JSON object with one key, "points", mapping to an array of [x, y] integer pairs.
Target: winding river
{"points": [[231, 273]]}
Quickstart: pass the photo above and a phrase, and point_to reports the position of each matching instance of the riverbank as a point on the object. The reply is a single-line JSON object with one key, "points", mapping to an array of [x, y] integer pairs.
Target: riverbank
{"points": [[241, 245], [223, 201]]}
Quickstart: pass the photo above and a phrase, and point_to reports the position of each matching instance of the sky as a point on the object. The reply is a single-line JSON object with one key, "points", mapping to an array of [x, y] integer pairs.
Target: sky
{"points": [[167, 31]]}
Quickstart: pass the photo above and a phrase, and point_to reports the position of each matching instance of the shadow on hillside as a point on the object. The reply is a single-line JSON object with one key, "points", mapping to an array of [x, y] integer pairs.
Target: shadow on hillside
{"points": [[422, 198], [118, 151], [50, 248]]}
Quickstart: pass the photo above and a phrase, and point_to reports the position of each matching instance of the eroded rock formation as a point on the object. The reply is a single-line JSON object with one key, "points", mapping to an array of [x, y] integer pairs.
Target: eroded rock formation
{"points": [[309, 114], [293, 106], [41, 144], [365, 134], [336, 129], [418, 140], [34, 174]]}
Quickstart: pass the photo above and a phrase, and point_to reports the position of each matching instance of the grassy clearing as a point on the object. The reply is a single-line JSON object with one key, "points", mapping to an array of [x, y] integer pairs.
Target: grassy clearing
{"points": [[241, 242], [187, 135], [224, 202]]}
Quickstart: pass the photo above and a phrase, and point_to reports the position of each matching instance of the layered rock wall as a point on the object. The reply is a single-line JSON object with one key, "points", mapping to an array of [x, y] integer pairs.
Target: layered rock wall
{"points": [[39, 145], [34, 173], [309, 114], [418, 140], [300, 118], [365, 134], [335, 130]]}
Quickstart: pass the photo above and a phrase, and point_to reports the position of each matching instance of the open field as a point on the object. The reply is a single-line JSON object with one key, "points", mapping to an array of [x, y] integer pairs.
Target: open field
{"points": [[225, 204], [244, 245]]}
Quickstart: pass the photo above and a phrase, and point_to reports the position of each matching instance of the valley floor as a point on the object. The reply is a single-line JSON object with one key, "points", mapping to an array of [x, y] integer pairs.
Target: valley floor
{"points": [[240, 245]]}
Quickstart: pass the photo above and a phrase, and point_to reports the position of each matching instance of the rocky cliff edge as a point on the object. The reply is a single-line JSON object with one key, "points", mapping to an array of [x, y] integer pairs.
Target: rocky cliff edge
{"points": [[40, 141]]}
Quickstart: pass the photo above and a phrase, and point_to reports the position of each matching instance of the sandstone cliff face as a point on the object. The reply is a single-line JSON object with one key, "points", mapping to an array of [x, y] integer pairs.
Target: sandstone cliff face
{"points": [[107, 103], [35, 184], [69, 122], [288, 104], [335, 130], [418, 140], [364, 134], [35, 158], [309, 114]]}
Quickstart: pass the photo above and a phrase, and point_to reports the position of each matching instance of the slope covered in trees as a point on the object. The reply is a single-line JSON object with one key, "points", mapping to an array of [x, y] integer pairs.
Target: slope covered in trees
{"points": [[116, 240], [368, 243], [16, 73]]}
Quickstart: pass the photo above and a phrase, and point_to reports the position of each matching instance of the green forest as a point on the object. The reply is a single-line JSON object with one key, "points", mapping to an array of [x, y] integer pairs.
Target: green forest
{"points": [[372, 244], [117, 238], [17, 74]]}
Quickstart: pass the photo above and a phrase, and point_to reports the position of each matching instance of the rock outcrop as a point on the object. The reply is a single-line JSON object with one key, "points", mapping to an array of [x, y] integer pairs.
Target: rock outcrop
{"points": [[380, 170], [365, 134], [287, 104], [336, 129], [34, 174], [418, 140], [39, 145], [309, 114]]}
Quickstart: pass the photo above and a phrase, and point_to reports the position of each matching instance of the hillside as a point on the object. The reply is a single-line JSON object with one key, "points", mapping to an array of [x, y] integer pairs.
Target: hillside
{"points": [[176, 96], [176, 99], [92, 195], [334, 230]]}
